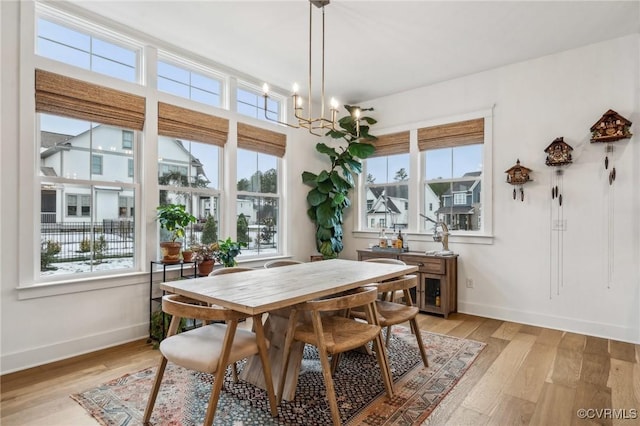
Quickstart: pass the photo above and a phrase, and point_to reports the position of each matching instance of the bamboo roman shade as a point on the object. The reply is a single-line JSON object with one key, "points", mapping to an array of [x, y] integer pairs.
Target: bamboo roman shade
{"points": [[452, 134], [68, 97], [261, 140], [391, 144], [183, 123]]}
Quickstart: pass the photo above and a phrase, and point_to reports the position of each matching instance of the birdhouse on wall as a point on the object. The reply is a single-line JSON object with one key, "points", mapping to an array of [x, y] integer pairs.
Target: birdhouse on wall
{"points": [[558, 153], [610, 128], [518, 175]]}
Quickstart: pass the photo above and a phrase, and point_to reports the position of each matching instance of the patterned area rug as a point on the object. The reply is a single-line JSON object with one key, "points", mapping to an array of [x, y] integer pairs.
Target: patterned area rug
{"points": [[360, 392]]}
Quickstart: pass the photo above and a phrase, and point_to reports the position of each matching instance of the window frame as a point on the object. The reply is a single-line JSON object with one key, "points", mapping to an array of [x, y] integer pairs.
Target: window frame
{"points": [[273, 96], [417, 230]]}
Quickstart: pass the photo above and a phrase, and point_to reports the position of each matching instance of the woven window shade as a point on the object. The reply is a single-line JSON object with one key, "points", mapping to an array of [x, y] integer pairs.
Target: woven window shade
{"points": [[182, 123], [261, 140], [453, 134], [391, 144], [68, 97]]}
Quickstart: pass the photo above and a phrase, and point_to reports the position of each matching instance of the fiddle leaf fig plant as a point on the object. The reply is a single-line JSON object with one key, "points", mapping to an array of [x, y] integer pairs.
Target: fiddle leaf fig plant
{"points": [[329, 193]]}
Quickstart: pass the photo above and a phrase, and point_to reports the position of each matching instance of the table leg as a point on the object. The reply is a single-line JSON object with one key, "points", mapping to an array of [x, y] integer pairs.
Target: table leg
{"points": [[274, 331]]}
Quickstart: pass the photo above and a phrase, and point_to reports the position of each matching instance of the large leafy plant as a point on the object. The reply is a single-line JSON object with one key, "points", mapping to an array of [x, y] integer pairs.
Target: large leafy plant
{"points": [[329, 194]]}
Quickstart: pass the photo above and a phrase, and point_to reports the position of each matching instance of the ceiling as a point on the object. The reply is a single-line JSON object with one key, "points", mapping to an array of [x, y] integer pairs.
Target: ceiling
{"points": [[373, 48]]}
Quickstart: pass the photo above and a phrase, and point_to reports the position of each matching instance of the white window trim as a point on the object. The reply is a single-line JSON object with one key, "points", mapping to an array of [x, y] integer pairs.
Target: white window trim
{"points": [[273, 95]]}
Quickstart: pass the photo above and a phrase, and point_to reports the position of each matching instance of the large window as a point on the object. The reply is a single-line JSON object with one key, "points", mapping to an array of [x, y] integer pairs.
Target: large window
{"points": [[82, 49], [453, 174], [186, 83], [387, 192], [83, 226], [258, 202], [188, 174], [386, 184]]}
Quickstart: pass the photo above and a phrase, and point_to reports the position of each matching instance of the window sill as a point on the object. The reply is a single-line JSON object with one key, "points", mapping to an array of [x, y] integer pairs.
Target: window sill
{"points": [[58, 288], [420, 237]]}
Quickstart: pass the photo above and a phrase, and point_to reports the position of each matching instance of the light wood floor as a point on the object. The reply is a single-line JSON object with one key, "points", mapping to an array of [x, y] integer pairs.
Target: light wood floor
{"points": [[525, 375]]}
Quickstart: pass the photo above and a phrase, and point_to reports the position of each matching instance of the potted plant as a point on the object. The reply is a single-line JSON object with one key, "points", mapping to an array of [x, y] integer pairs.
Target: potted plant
{"points": [[329, 194], [206, 256], [228, 250], [175, 219]]}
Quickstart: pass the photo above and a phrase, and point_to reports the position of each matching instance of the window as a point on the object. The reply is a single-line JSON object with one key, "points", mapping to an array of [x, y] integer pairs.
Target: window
{"points": [[130, 167], [127, 139], [78, 205], [453, 163], [184, 82], [386, 183], [258, 203], [251, 102], [82, 49], [84, 228], [96, 164], [387, 190], [258, 185]]}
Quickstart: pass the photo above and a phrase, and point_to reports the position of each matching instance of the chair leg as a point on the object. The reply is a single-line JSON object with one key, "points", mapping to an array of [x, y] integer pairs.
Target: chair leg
{"points": [[326, 370], [154, 391], [234, 372], [388, 337], [416, 331], [220, 371], [266, 366]]}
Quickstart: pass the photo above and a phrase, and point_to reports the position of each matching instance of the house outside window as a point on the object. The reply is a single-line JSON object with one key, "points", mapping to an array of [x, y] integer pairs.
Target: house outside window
{"points": [[77, 46], [189, 174], [453, 182], [130, 167], [387, 191], [190, 81]]}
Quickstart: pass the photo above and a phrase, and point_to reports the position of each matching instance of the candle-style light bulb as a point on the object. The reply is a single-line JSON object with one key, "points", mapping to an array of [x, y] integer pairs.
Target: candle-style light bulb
{"points": [[295, 88], [334, 103], [356, 113], [265, 89], [299, 101]]}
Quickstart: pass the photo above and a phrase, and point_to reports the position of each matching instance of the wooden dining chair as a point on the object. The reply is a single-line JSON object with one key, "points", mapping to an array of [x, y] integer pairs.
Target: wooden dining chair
{"points": [[393, 313], [209, 349], [229, 270], [390, 296], [281, 262], [310, 323]]}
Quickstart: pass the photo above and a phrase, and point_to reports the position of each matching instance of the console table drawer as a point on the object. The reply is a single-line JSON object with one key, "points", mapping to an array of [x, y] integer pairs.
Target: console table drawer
{"points": [[425, 264]]}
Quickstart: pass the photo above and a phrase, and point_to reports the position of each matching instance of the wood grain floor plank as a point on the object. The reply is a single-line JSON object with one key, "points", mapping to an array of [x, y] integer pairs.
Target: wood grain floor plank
{"points": [[573, 342], [566, 368], [622, 351], [529, 380], [592, 397], [554, 406], [625, 389], [596, 345], [484, 332], [466, 328], [595, 369], [487, 393], [512, 411], [549, 337], [507, 331]]}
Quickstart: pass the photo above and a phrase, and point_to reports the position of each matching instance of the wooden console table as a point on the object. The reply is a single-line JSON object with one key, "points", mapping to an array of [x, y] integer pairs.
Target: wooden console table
{"points": [[436, 274]]}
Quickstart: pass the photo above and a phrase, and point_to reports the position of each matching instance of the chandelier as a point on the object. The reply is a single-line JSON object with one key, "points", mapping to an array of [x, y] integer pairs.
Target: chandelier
{"points": [[306, 120]]}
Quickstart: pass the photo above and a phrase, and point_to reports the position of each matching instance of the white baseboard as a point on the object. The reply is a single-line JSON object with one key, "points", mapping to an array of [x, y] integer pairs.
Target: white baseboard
{"points": [[34, 357], [590, 328]]}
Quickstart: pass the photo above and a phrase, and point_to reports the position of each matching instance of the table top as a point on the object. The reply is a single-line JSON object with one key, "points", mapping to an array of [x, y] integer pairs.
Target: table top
{"points": [[263, 290]]}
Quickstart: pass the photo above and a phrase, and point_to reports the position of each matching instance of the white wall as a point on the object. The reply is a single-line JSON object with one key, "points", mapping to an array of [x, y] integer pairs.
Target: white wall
{"points": [[37, 330], [535, 102]]}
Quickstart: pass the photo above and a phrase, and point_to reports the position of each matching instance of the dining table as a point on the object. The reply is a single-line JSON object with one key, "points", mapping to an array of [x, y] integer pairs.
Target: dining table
{"points": [[272, 291]]}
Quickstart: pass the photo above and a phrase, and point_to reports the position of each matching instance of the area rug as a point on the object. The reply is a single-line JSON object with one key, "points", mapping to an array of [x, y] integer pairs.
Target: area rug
{"points": [[359, 390]]}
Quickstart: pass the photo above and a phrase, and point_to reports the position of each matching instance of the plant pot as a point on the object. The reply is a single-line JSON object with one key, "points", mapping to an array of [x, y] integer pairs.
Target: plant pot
{"points": [[205, 267], [170, 251], [187, 255]]}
